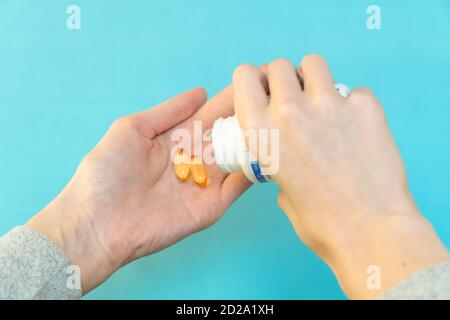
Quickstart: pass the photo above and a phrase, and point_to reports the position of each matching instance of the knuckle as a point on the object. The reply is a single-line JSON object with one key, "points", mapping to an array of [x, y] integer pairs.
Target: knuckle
{"points": [[243, 69], [364, 100], [311, 58], [124, 122], [362, 97], [280, 63]]}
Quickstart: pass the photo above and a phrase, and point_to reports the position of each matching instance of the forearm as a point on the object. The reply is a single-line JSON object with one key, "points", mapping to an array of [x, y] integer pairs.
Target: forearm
{"points": [[388, 250]]}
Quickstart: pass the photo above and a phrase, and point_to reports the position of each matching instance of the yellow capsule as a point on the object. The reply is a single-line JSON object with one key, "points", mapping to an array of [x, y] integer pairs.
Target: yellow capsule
{"points": [[198, 172], [182, 165]]}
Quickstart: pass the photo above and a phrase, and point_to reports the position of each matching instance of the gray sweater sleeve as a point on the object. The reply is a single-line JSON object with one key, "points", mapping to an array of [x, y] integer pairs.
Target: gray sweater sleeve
{"points": [[429, 284], [32, 267]]}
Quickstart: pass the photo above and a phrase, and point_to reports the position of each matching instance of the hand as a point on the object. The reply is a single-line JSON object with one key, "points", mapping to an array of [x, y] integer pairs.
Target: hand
{"points": [[343, 183], [125, 201]]}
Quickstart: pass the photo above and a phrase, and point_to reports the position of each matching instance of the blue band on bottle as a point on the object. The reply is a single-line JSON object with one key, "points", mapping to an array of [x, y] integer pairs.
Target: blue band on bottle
{"points": [[257, 171]]}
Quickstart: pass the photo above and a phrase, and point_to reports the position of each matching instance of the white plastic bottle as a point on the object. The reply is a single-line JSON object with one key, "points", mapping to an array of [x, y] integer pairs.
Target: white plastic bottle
{"points": [[232, 154], [230, 151]]}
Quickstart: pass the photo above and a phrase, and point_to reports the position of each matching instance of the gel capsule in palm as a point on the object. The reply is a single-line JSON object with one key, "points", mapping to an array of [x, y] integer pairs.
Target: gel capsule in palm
{"points": [[198, 172], [182, 165]]}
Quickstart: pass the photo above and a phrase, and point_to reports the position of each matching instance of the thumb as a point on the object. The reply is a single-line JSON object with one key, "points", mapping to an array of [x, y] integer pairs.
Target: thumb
{"points": [[170, 113]]}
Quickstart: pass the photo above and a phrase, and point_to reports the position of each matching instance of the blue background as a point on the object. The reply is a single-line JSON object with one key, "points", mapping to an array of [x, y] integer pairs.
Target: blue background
{"points": [[61, 89]]}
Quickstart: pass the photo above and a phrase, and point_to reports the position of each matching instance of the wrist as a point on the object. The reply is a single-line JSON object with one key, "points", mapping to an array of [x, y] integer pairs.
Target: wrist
{"points": [[68, 227], [389, 247]]}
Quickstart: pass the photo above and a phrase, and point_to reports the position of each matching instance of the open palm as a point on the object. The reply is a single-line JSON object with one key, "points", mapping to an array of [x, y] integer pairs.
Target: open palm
{"points": [[129, 200]]}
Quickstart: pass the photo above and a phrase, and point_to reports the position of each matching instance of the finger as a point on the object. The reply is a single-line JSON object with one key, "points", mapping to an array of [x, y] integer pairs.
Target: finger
{"points": [[316, 76], [221, 105], [284, 82], [233, 186], [170, 113], [250, 94]]}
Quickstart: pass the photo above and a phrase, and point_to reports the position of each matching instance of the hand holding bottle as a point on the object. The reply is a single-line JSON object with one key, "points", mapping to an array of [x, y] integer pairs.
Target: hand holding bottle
{"points": [[343, 183]]}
